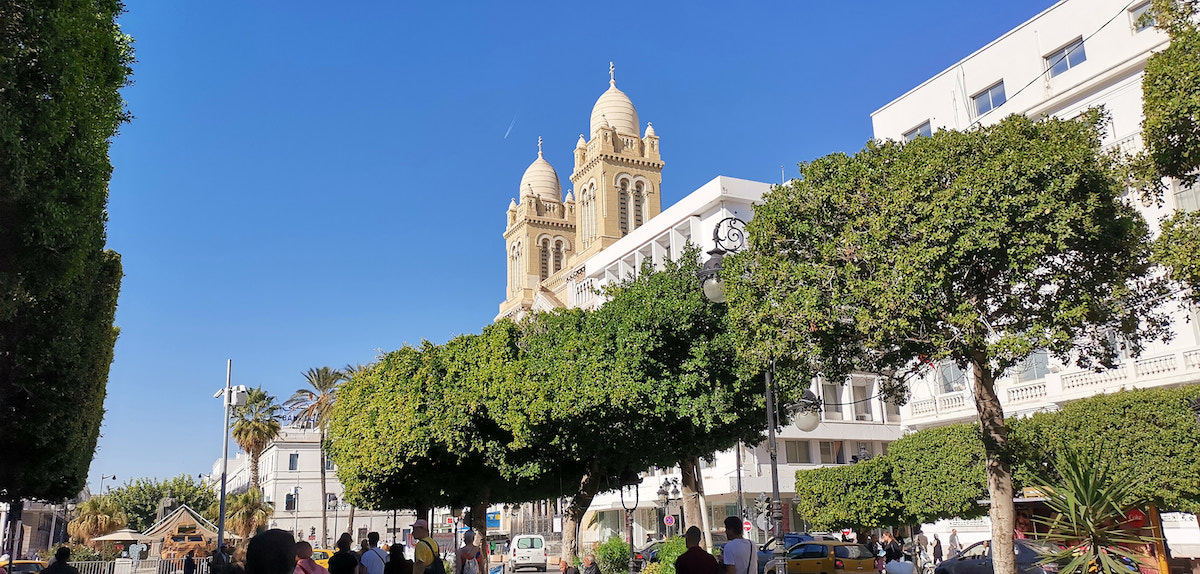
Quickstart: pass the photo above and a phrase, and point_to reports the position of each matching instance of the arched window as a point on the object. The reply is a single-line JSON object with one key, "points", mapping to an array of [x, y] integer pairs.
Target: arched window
{"points": [[639, 202], [545, 259], [558, 256], [623, 206], [514, 269]]}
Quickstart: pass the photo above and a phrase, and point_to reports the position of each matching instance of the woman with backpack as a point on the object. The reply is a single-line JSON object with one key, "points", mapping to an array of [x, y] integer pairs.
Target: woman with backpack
{"points": [[469, 559]]}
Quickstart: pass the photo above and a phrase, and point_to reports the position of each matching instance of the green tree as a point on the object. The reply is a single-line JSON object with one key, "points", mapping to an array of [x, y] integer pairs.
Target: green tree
{"points": [[247, 513], [940, 472], [255, 425], [313, 405], [1171, 131], [97, 516], [975, 247], [861, 495], [140, 497], [62, 65]]}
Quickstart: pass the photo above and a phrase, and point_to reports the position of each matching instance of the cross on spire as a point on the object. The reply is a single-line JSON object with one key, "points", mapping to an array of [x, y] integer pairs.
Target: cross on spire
{"points": [[539, 145], [612, 73]]}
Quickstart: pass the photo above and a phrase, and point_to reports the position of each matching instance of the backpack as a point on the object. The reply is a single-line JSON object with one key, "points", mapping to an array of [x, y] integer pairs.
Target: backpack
{"points": [[470, 565], [438, 567]]}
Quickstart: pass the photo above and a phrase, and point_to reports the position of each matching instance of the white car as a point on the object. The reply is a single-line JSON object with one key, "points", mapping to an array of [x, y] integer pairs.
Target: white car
{"points": [[528, 550]]}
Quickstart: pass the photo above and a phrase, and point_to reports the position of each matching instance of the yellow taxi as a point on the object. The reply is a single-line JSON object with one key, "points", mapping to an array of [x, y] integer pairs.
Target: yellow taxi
{"points": [[321, 556], [828, 557], [25, 566]]}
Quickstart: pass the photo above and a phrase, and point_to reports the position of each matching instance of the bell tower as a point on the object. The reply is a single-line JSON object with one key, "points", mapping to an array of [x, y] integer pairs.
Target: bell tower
{"points": [[617, 176]]}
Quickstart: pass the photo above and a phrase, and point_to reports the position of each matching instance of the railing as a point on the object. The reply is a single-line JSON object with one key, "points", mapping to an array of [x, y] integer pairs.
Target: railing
{"points": [[952, 402], [924, 407], [1192, 359], [1130, 145], [129, 566], [1027, 392], [1155, 366], [1090, 379]]}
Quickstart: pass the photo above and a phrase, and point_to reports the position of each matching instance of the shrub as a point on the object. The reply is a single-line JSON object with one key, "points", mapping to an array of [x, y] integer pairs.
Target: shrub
{"points": [[613, 556], [671, 549]]}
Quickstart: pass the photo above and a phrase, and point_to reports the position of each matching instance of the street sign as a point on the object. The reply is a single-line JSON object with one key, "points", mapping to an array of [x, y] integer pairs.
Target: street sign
{"points": [[464, 529], [449, 521], [746, 526], [312, 537], [669, 520]]}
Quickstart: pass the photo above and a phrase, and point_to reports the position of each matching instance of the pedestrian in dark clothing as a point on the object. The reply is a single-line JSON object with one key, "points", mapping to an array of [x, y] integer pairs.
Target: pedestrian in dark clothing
{"points": [[937, 550], [566, 568], [343, 561], [61, 564], [189, 562], [590, 566], [893, 551], [397, 562], [695, 560], [272, 552]]}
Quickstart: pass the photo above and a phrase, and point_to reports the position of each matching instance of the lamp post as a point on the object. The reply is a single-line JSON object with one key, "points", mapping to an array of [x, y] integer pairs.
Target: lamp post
{"points": [[102, 477], [668, 493], [232, 397], [629, 484], [729, 236]]}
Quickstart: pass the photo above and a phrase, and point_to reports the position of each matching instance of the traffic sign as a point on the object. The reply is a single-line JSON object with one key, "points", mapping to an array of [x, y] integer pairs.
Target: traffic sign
{"points": [[669, 520], [746, 526], [464, 529], [450, 520]]}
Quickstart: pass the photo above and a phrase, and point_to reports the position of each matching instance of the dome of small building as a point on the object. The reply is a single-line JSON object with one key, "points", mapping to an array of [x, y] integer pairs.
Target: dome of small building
{"points": [[650, 129], [540, 179], [570, 197], [582, 144], [512, 204], [615, 107]]}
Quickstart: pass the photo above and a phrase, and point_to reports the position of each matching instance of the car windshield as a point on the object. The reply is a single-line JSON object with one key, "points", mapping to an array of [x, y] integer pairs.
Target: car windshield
{"points": [[525, 543], [1040, 546], [854, 552], [26, 568]]}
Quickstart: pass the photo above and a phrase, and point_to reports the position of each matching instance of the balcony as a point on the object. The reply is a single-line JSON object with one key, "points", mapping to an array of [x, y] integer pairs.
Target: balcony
{"points": [[1163, 369]]}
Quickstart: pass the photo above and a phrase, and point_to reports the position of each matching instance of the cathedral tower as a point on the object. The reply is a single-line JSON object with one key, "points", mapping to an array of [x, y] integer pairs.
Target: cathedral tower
{"points": [[617, 175]]}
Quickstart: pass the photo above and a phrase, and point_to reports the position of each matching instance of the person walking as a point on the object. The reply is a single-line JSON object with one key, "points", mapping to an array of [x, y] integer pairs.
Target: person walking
{"points": [[272, 552], [372, 557], [304, 562], [955, 545], [343, 561], [739, 555], [695, 560], [61, 564], [893, 555], [469, 558], [937, 550], [189, 562], [427, 557]]}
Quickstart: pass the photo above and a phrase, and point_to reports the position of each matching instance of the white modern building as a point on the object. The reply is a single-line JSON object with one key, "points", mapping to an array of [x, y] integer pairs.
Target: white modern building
{"points": [[290, 475], [1076, 55]]}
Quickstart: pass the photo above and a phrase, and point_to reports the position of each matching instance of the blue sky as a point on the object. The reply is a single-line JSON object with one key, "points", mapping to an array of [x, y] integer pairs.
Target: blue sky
{"points": [[311, 183]]}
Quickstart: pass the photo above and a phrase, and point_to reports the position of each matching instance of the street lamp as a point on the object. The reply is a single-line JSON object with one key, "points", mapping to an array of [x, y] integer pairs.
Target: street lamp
{"points": [[729, 236], [102, 477], [232, 397], [629, 483], [668, 493]]}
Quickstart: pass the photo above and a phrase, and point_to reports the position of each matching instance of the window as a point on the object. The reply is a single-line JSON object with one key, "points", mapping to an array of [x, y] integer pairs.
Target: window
{"points": [[1065, 58], [526, 542], [1034, 367], [639, 203], [860, 393], [328, 464], [831, 396], [950, 378], [1142, 17], [989, 99], [797, 452], [294, 461], [893, 411], [922, 131], [623, 207], [1187, 197], [864, 451], [289, 502], [832, 452]]}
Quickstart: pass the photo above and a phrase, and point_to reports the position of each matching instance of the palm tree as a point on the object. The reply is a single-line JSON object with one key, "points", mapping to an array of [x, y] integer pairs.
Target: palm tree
{"points": [[247, 513], [98, 515], [313, 405], [348, 374], [256, 424]]}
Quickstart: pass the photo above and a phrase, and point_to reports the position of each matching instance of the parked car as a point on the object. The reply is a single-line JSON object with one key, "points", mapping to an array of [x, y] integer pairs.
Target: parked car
{"points": [[528, 550], [321, 556], [26, 566], [977, 559], [648, 554], [828, 557], [766, 552]]}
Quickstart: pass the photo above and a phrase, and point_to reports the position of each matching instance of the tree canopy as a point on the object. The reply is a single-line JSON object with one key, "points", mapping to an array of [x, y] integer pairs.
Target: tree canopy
{"points": [[860, 495], [62, 65], [139, 498], [976, 247]]}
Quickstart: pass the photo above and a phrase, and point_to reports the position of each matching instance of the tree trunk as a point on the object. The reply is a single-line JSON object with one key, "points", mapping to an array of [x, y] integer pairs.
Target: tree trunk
{"points": [[580, 501], [479, 523], [999, 475], [324, 495], [350, 527], [254, 468], [692, 483]]}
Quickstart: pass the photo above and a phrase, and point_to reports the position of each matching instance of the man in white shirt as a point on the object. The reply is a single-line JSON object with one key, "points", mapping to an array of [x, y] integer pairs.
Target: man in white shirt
{"points": [[739, 556], [374, 558]]}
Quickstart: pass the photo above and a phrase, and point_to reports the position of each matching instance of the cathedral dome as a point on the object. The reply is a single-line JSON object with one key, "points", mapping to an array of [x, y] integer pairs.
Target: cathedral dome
{"points": [[540, 179], [615, 107]]}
